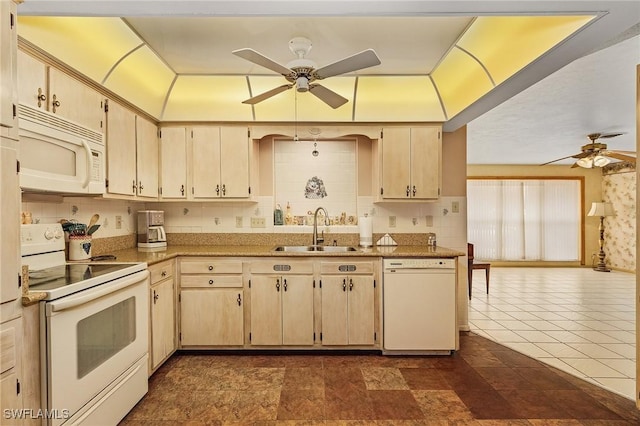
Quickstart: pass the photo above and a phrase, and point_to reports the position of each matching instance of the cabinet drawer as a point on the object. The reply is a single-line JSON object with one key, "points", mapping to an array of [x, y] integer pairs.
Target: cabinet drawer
{"points": [[161, 271], [210, 266], [214, 281], [282, 266], [346, 267]]}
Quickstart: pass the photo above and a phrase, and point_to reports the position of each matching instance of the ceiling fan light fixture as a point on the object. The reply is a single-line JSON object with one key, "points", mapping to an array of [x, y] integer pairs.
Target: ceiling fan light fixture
{"points": [[302, 84], [586, 162], [600, 161]]}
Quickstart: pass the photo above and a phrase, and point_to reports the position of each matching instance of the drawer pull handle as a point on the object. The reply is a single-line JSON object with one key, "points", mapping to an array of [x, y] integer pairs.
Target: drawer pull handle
{"points": [[344, 285], [155, 297], [210, 282], [239, 300], [408, 190], [41, 97], [350, 284], [211, 267], [285, 285], [277, 285]]}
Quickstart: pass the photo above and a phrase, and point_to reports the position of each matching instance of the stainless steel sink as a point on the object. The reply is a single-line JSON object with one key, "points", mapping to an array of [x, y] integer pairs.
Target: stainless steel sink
{"points": [[316, 249]]}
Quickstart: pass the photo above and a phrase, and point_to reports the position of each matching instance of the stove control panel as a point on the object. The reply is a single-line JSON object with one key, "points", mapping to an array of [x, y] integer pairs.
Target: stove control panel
{"points": [[40, 238]]}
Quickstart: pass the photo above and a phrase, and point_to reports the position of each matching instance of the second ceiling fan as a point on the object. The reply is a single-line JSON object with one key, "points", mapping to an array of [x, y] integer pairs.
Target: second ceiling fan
{"points": [[596, 153], [302, 73]]}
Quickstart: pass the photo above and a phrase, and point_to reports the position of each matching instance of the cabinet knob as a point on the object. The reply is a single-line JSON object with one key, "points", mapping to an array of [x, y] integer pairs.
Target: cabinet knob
{"points": [[41, 97], [210, 282], [155, 297], [414, 190], [211, 267], [182, 190], [284, 286], [344, 285], [277, 285], [217, 189], [224, 190], [140, 187], [133, 187], [350, 284], [408, 190], [239, 300], [163, 273], [55, 104]]}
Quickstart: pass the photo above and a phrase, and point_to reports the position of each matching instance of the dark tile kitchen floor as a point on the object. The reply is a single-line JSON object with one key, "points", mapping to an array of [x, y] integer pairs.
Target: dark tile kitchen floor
{"points": [[483, 383]]}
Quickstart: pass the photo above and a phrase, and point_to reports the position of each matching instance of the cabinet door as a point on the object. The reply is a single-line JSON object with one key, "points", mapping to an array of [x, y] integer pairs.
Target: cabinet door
{"points": [[8, 48], [396, 151], [425, 162], [205, 171], [211, 317], [297, 310], [10, 231], [266, 310], [32, 78], [173, 162], [74, 100], [334, 310], [121, 150], [147, 158], [162, 321], [361, 323], [234, 166]]}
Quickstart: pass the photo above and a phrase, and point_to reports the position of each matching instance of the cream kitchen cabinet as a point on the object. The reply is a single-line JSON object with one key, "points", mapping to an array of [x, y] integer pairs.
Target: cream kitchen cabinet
{"points": [[147, 158], [409, 163], [8, 69], [10, 368], [282, 303], [162, 308], [45, 87], [220, 158], [9, 219], [211, 302], [173, 163], [132, 154], [204, 163], [348, 303]]}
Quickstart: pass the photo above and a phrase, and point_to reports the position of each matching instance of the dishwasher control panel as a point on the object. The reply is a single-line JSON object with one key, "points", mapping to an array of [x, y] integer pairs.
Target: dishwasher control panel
{"points": [[412, 263]]}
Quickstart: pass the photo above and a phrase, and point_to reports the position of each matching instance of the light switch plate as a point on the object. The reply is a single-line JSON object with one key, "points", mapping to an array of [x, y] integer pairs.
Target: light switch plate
{"points": [[238, 221], [392, 221], [455, 207], [118, 222], [258, 222]]}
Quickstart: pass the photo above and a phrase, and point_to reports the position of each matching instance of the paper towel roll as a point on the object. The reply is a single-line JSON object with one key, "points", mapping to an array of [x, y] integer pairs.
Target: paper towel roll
{"points": [[365, 226]]}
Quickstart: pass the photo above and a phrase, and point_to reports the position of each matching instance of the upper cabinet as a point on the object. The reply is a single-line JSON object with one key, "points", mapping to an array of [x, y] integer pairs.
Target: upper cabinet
{"points": [[132, 154], [408, 163], [45, 87], [205, 163], [8, 71]]}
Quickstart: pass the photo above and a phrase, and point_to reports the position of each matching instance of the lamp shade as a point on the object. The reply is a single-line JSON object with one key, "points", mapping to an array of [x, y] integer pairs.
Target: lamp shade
{"points": [[601, 209]]}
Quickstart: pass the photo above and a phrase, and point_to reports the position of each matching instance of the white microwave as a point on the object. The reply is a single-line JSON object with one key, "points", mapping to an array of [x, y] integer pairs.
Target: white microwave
{"points": [[59, 156]]}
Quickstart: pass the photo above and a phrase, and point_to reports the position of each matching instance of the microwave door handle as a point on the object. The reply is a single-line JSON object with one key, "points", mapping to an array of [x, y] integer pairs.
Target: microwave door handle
{"points": [[87, 148]]}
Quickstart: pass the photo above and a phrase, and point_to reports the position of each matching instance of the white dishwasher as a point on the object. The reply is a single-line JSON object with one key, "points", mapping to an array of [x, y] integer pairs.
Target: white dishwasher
{"points": [[419, 306]]}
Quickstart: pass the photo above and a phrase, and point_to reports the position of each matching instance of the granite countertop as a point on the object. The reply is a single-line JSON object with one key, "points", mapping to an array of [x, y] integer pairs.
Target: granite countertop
{"points": [[151, 257]]}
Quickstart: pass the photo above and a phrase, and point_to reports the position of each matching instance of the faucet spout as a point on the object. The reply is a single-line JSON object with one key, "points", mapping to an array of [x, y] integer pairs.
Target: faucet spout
{"points": [[315, 225]]}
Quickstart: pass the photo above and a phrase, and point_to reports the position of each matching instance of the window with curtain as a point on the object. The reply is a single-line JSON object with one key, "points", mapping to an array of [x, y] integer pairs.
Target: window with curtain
{"points": [[524, 220]]}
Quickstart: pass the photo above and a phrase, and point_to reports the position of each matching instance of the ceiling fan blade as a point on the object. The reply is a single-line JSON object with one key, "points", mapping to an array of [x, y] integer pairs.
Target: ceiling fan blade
{"points": [[623, 152], [365, 59], [258, 58], [558, 159], [609, 135], [266, 95], [327, 96], [621, 157]]}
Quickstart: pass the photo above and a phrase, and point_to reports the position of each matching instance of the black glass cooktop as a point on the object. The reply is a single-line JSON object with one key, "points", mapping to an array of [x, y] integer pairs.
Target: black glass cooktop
{"points": [[64, 275]]}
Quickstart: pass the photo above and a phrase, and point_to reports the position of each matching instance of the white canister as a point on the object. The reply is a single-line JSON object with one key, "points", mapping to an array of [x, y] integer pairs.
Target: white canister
{"points": [[79, 247]]}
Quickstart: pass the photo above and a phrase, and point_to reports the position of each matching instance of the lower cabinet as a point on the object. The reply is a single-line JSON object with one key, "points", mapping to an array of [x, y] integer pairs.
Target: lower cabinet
{"points": [[162, 339], [282, 303], [348, 303], [211, 302], [10, 367]]}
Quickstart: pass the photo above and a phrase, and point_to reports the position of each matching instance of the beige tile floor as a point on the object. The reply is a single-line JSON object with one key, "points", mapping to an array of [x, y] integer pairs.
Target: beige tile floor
{"points": [[575, 319]]}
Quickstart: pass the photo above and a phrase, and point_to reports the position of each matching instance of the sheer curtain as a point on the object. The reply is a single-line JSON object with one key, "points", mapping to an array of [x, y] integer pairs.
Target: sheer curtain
{"points": [[524, 219]]}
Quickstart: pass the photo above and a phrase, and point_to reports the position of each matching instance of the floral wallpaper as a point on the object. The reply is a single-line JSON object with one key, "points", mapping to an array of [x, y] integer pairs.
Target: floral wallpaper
{"points": [[619, 188]]}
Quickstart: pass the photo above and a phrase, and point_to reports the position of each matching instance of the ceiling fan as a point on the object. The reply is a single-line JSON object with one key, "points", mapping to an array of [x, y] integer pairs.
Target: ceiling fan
{"points": [[596, 153], [302, 72]]}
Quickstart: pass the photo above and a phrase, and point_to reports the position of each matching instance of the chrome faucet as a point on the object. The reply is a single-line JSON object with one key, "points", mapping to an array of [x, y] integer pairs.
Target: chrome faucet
{"points": [[317, 240]]}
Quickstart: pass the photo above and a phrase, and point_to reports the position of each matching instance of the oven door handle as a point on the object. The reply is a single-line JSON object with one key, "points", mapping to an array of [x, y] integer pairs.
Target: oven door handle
{"points": [[97, 292]]}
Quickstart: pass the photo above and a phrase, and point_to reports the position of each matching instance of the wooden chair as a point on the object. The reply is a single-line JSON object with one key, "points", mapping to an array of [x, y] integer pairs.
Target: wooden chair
{"points": [[471, 265]]}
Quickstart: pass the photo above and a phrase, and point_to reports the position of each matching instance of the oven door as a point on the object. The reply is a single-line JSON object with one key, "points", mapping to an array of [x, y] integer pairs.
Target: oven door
{"points": [[92, 338]]}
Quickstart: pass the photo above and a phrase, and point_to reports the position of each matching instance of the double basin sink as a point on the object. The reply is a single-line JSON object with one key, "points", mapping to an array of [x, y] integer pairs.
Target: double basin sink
{"points": [[316, 249]]}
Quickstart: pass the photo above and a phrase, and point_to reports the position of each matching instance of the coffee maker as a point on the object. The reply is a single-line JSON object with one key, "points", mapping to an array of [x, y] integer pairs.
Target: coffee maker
{"points": [[151, 229]]}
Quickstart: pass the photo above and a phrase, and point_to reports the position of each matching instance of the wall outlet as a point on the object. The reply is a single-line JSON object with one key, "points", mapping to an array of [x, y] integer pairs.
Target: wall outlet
{"points": [[258, 222], [238, 221], [455, 207], [118, 222], [392, 221]]}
